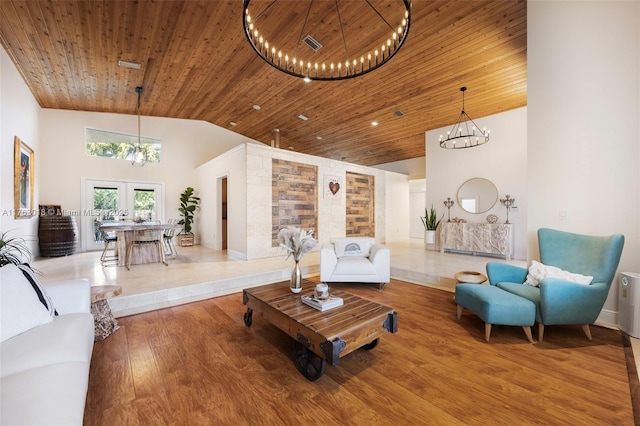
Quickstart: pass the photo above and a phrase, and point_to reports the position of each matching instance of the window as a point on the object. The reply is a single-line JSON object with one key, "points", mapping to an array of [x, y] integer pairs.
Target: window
{"points": [[120, 146], [144, 203], [115, 200]]}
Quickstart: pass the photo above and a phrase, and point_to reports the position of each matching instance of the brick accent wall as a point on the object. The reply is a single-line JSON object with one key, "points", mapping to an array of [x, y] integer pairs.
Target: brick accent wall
{"points": [[360, 200], [294, 197]]}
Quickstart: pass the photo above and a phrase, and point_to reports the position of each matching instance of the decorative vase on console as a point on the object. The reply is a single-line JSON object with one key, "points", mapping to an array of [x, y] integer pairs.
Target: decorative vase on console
{"points": [[297, 242]]}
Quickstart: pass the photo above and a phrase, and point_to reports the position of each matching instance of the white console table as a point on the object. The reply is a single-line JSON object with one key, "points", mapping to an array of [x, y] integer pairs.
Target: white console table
{"points": [[477, 238]]}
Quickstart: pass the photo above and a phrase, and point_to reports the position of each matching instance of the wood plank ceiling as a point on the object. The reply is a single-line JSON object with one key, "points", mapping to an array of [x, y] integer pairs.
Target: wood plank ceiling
{"points": [[198, 64]]}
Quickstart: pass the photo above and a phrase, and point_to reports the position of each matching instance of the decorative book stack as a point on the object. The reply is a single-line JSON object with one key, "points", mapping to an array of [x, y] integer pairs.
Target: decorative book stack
{"points": [[322, 304]]}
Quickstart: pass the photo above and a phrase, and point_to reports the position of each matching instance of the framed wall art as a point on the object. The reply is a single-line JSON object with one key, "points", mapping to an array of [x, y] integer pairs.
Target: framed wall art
{"points": [[332, 186], [24, 179]]}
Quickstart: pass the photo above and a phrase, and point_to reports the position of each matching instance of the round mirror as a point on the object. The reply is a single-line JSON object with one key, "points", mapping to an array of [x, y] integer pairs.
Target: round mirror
{"points": [[477, 195]]}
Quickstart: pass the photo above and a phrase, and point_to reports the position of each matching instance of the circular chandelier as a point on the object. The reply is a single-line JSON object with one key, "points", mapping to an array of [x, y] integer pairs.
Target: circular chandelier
{"points": [[326, 39], [465, 133]]}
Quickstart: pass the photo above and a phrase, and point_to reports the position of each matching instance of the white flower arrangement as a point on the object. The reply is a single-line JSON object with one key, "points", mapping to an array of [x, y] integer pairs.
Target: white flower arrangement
{"points": [[296, 241]]}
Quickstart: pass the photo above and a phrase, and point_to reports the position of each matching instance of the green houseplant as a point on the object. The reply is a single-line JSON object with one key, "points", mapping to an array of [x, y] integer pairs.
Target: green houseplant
{"points": [[188, 206], [430, 222], [13, 250], [430, 219]]}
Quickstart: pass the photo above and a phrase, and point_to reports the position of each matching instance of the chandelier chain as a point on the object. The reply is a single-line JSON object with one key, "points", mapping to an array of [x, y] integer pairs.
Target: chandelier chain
{"points": [[304, 25], [344, 40]]}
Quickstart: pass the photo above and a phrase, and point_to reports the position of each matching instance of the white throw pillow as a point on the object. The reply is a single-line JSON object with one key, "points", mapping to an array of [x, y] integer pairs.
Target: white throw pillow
{"points": [[44, 298], [353, 246], [20, 307], [537, 272]]}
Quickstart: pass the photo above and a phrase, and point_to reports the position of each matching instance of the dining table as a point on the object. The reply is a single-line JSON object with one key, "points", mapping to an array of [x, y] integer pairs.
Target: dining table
{"points": [[145, 253]]}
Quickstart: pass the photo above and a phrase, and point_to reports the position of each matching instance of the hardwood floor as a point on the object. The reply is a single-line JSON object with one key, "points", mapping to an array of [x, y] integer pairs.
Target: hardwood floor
{"points": [[199, 364]]}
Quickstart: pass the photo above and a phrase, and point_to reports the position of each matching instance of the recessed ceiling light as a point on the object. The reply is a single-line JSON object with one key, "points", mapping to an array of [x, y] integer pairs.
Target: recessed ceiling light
{"points": [[233, 123], [374, 123], [291, 148], [319, 138], [307, 80], [302, 117], [257, 107], [127, 64]]}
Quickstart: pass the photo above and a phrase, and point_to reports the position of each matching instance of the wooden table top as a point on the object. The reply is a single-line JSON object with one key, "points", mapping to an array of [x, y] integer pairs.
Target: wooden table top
{"points": [[357, 322], [132, 226], [102, 292], [471, 277]]}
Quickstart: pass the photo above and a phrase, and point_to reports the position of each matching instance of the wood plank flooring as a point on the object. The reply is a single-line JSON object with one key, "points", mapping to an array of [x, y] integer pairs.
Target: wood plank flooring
{"points": [[198, 364]]}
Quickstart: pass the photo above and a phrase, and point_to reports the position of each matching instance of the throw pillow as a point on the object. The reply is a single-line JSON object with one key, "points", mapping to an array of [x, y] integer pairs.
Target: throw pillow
{"points": [[20, 308], [44, 298], [538, 271], [353, 246]]}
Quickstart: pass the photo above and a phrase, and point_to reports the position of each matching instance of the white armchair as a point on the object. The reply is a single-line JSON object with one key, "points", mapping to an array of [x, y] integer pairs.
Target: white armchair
{"points": [[355, 259]]}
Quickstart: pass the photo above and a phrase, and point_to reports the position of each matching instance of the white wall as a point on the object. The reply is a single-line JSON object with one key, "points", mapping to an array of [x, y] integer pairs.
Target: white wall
{"points": [[413, 167], [231, 164], [64, 162], [417, 200], [503, 160], [397, 206], [19, 114], [583, 123]]}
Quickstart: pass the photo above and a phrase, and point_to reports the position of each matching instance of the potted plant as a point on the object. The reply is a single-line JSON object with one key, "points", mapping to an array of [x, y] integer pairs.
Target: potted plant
{"points": [[13, 250], [188, 206], [430, 222]]}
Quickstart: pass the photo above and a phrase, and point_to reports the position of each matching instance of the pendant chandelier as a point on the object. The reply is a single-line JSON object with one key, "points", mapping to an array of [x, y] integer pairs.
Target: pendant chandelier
{"points": [[331, 40], [139, 157], [465, 133]]}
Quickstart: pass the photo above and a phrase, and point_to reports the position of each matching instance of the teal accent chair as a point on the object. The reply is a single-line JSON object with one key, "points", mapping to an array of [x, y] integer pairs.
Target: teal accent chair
{"points": [[559, 301]]}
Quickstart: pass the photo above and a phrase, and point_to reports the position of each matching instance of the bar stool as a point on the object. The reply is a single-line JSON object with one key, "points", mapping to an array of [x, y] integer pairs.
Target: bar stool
{"points": [[167, 237], [110, 243]]}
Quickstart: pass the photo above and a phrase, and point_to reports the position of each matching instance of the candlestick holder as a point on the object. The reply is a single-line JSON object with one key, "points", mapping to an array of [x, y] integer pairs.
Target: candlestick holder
{"points": [[448, 204], [507, 201]]}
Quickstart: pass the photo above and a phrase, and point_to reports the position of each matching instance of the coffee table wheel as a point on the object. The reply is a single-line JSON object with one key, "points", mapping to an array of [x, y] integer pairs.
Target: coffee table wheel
{"points": [[248, 317], [371, 345], [309, 364]]}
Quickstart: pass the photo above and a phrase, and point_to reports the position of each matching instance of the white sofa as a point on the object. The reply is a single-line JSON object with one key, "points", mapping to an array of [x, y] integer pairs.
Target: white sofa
{"points": [[44, 371], [355, 259]]}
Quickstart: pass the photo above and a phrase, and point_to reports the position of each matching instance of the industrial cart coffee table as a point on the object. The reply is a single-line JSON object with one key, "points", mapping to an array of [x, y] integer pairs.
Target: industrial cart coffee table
{"points": [[320, 337]]}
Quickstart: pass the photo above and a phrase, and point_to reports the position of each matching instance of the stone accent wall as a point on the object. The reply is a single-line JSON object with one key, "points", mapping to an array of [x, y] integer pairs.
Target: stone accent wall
{"points": [[331, 212], [294, 196], [360, 200]]}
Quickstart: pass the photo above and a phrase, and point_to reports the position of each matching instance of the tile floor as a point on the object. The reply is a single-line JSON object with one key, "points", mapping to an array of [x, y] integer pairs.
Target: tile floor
{"points": [[198, 273]]}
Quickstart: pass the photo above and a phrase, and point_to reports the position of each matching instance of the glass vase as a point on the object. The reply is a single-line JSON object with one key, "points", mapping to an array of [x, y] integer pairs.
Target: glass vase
{"points": [[296, 279]]}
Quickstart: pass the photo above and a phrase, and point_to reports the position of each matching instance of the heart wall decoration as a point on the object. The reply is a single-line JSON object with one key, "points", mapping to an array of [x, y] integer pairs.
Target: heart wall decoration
{"points": [[332, 186]]}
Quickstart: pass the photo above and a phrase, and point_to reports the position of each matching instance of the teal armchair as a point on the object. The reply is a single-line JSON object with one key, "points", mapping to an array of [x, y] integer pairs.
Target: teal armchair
{"points": [[557, 300]]}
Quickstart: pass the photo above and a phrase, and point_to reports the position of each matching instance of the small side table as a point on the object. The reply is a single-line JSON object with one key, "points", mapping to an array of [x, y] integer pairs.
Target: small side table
{"points": [[471, 277], [105, 323]]}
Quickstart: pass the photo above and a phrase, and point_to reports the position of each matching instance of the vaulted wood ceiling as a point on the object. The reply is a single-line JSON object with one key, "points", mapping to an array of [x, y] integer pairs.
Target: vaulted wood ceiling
{"points": [[198, 64]]}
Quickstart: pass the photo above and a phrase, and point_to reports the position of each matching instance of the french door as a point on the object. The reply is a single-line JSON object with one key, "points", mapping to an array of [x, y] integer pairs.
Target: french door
{"points": [[110, 200]]}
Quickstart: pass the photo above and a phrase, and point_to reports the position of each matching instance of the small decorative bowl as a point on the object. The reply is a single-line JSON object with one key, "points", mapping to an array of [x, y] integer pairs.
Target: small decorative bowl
{"points": [[492, 218]]}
